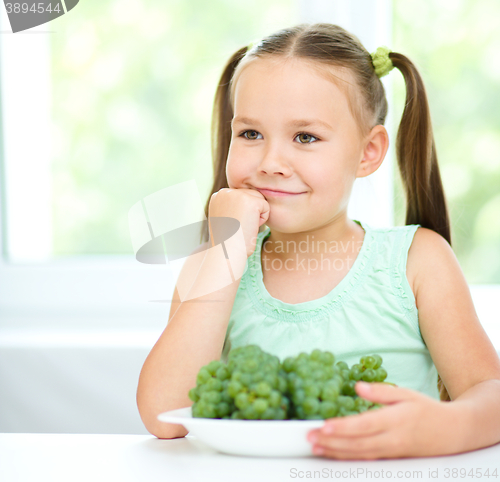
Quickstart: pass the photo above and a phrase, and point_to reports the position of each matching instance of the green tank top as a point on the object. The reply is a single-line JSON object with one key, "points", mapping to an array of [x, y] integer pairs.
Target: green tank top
{"points": [[372, 310]]}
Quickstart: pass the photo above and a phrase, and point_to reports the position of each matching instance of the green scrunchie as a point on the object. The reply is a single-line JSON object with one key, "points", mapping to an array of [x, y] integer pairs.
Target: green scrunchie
{"points": [[251, 44], [381, 61]]}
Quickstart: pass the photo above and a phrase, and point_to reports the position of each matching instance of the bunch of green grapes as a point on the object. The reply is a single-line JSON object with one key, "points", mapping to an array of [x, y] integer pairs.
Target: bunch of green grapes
{"points": [[320, 388], [254, 385], [251, 387], [369, 369]]}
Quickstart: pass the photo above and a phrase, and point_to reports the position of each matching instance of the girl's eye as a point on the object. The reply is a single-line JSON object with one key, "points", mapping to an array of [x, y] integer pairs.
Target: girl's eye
{"points": [[250, 138], [306, 138]]}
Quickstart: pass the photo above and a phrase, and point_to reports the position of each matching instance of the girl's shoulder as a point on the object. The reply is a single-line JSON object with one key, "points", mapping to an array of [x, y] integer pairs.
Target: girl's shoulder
{"points": [[429, 252]]}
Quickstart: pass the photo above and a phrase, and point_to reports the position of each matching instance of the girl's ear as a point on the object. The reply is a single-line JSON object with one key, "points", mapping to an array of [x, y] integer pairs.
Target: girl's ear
{"points": [[377, 143]]}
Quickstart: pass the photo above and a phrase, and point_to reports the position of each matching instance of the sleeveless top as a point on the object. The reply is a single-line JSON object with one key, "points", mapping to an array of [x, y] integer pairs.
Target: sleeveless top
{"points": [[371, 311]]}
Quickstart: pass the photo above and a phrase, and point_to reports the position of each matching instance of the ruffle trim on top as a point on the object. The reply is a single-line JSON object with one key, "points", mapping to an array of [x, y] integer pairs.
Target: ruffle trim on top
{"points": [[307, 310], [401, 286]]}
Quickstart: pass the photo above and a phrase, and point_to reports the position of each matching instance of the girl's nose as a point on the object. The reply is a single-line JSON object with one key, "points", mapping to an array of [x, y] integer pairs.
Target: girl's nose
{"points": [[274, 162]]}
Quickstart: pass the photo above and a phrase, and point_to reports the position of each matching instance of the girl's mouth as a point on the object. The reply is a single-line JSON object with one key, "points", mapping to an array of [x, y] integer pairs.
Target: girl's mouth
{"points": [[269, 193]]}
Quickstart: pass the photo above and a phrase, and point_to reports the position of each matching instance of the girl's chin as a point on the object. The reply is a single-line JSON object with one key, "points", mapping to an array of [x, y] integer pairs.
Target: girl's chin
{"points": [[282, 225]]}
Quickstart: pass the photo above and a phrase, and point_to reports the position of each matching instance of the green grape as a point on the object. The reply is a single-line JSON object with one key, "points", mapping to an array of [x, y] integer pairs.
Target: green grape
{"points": [[242, 400], [213, 366], [355, 373], [342, 365], [195, 410], [234, 388], [315, 354], [222, 373], [263, 389], [226, 397], [210, 411], [203, 376], [328, 409], [330, 393], [345, 402], [303, 356], [312, 390], [282, 384], [214, 384], [236, 375], [246, 379], [223, 409], [299, 397], [378, 360], [380, 374], [250, 366], [260, 405], [327, 358], [288, 364], [348, 388], [314, 417], [193, 395], [274, 399], [250, 413], [257, 376], [310, 405], [268, 414], [300, 412], [280, 414], [211, 397], [369, 375], [346, 374], [370, 362], [319, 374], [362, 361]]}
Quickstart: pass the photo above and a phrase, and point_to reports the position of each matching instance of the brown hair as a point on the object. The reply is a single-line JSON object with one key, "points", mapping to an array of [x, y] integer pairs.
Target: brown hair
{"points": [[326, 45]]}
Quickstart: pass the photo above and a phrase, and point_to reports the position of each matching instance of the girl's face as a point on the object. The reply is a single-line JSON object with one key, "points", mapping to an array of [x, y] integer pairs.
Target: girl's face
{"points": [[292, 131]]}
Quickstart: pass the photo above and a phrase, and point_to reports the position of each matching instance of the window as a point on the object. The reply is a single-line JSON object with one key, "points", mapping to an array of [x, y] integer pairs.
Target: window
{"points": [[120, 108]]}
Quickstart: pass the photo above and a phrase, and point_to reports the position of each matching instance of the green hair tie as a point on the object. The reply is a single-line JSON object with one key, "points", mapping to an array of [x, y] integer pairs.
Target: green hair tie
{"points": [[381, 61], [251, 44]]}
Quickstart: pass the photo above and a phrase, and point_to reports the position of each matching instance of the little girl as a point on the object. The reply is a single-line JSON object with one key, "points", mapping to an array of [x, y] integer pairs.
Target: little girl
{"points": [[297, 118]]}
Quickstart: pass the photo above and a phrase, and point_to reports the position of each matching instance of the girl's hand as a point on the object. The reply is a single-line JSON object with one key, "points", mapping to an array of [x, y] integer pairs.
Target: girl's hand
{"points": [[248, 206], [410, 424]]}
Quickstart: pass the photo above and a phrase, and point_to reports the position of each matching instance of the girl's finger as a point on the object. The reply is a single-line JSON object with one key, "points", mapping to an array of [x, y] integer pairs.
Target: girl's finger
{"points": [[384, 393], [346, 447], [367, 423]]}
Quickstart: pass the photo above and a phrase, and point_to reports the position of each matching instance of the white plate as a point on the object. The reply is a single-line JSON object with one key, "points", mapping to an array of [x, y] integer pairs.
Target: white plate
{"points": [[259, 438]]}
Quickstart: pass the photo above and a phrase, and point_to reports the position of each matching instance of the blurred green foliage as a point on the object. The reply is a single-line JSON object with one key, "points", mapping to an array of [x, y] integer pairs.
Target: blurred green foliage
{"points": [[456, 47], [133, 88]]}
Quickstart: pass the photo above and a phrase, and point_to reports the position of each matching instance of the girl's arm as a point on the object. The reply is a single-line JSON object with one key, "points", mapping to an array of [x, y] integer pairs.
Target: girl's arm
{"points": [[462, 352], [194, 336], [412, 424]]}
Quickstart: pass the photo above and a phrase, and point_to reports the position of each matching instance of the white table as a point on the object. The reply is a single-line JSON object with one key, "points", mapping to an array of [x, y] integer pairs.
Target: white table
{"points": [[124, 458]]}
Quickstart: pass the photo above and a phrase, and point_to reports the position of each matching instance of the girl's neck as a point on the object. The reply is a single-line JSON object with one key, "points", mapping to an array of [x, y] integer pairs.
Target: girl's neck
{"points": [[335, 240]]}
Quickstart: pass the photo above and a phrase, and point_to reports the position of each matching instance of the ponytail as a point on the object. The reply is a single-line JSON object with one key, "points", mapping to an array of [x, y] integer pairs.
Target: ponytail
{"points": [[222, 116], [418, 164]]}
